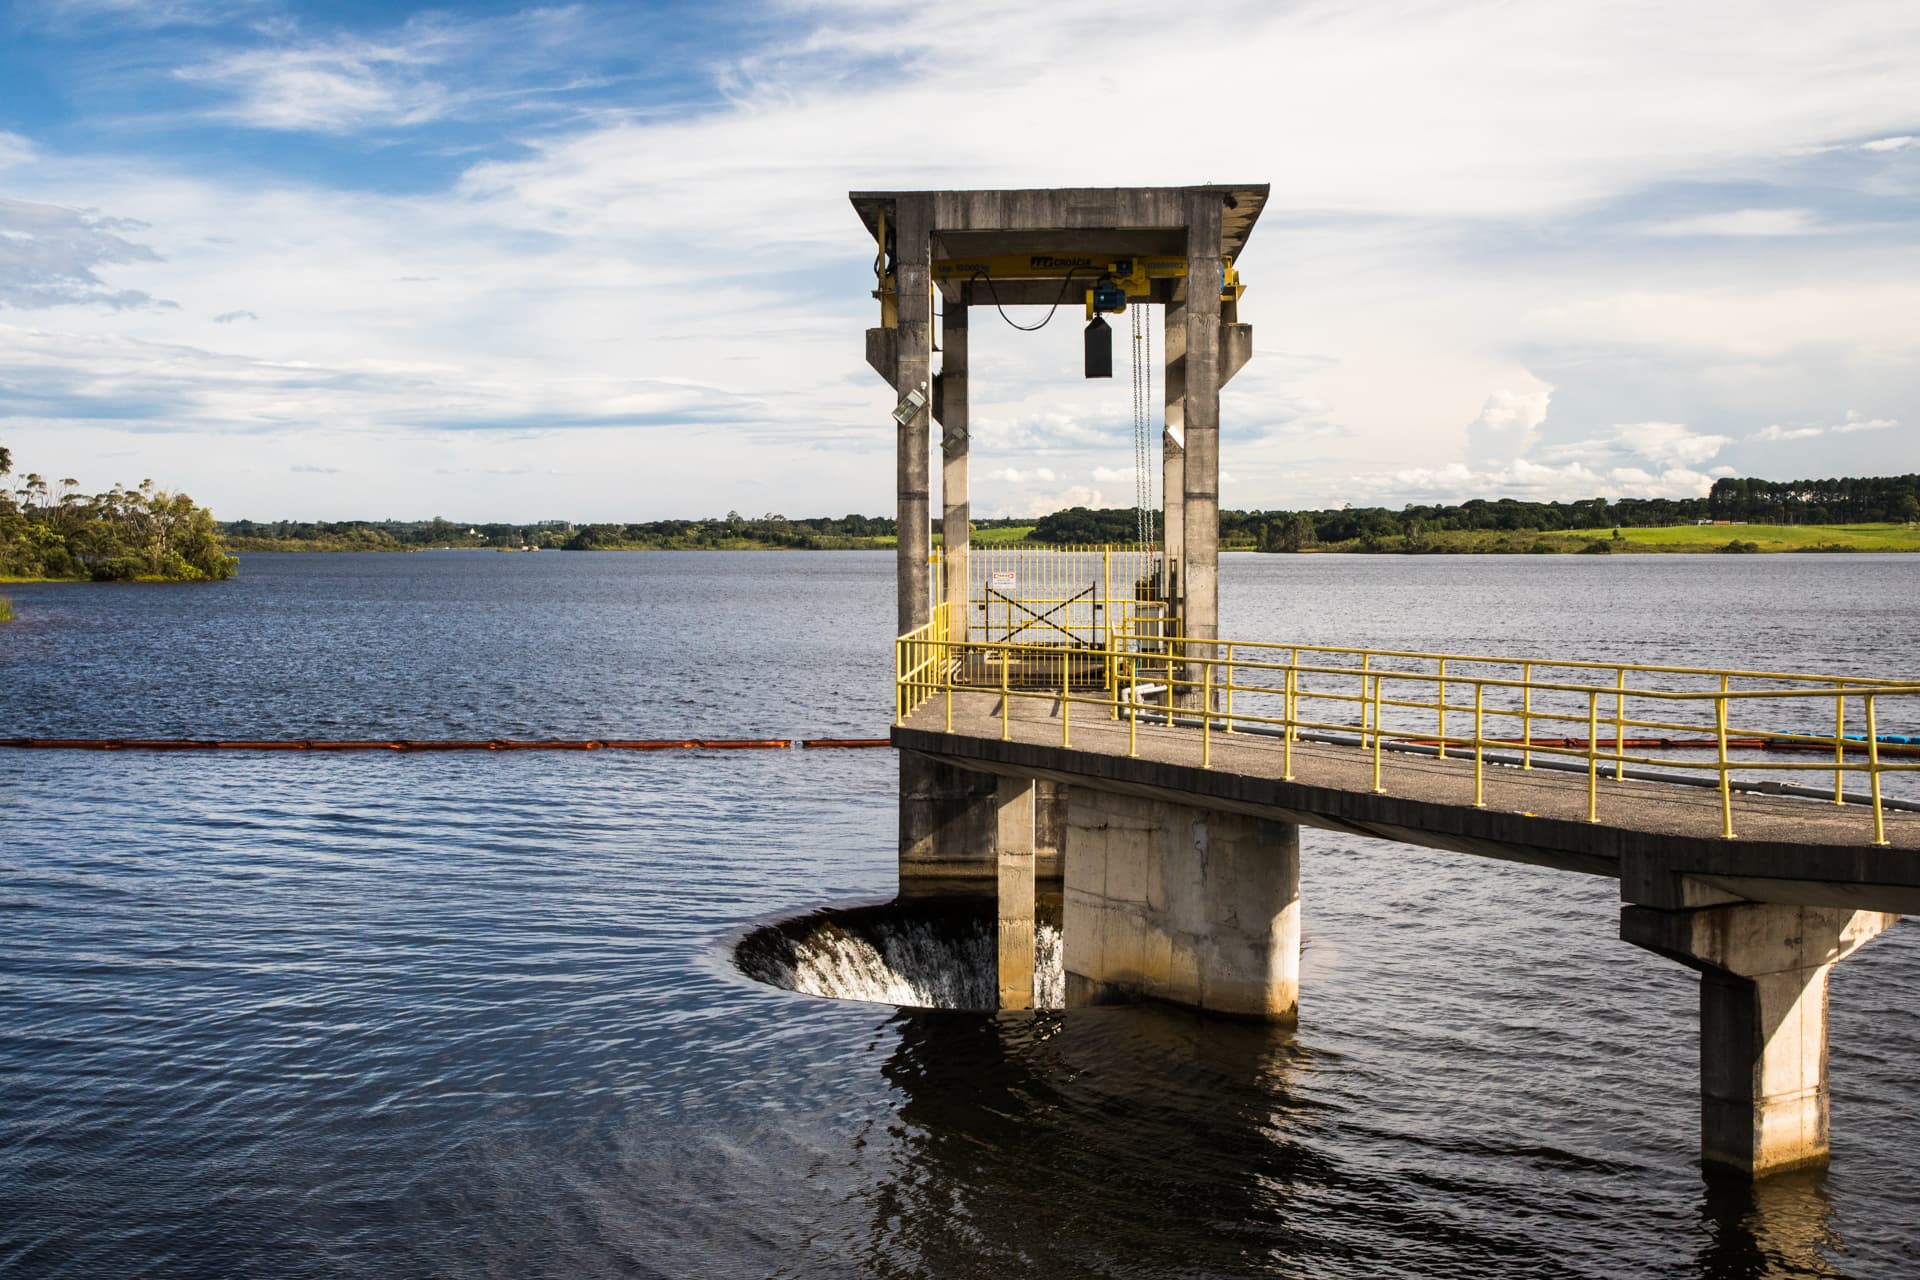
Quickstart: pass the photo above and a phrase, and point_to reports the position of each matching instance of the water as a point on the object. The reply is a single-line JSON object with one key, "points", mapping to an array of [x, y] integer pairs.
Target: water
{"points": [[477, 1015]]}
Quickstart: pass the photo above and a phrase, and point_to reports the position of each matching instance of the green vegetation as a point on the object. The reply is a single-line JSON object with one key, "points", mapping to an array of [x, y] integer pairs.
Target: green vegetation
{"points": [[731, 532], [1845, 514], [145, 534], [6, 609]]}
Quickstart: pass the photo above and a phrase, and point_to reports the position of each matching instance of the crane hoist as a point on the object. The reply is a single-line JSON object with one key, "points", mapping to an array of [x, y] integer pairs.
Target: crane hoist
{"points": [[1114, 284]]}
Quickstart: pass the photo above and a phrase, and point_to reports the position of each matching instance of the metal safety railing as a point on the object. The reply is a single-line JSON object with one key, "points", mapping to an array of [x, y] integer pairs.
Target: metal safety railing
{"points": [[1607, 720], [1076, 595]]}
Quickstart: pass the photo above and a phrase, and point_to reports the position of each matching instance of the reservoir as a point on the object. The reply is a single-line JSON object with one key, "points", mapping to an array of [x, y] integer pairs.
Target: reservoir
{"points": [[472, 1015]]}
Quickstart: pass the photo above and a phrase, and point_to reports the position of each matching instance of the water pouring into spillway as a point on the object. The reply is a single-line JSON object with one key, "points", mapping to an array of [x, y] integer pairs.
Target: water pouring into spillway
{"points": [[930, 955]]}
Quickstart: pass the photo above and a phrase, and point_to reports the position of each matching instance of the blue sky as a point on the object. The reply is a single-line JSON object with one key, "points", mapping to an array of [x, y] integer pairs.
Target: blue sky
{"points": [[596, 261]]}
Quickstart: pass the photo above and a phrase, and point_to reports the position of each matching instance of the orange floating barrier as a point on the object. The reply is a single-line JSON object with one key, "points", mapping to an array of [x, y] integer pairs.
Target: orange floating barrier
{"points": [[417, 744], [847, 743]]}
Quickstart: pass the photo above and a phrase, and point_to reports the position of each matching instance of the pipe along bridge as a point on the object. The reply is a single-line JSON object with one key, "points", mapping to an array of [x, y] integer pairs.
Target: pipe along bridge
{"points": [[1164, 780]]}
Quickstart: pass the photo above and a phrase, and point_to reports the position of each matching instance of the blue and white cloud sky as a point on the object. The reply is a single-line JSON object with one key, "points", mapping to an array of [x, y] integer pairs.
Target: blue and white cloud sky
{"points": [[596, 261]]}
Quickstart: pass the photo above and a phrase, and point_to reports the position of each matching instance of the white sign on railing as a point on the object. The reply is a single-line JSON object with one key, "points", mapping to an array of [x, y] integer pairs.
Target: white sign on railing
{"points": [[1001, 580]]}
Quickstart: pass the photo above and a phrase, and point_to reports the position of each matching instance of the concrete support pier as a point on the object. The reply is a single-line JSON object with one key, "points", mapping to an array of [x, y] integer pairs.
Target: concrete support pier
{"points": [[1763, 1021], [948, 828], [1014, 929], [1175, 903]]}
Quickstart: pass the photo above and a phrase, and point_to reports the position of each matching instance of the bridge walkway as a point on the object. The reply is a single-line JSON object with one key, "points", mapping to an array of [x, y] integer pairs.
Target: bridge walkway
{"points": [[1789, 849]]}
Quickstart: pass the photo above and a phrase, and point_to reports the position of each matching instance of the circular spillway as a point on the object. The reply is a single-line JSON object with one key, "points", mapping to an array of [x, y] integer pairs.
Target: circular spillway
{"points": [[934, 954]]}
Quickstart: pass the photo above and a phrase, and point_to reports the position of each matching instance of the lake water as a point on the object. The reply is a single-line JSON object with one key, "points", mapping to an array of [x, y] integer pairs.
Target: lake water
{"points": [[476, 1015]]}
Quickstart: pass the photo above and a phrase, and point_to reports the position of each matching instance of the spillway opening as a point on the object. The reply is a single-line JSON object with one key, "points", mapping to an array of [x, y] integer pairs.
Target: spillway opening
{"points": [[924, 954]]}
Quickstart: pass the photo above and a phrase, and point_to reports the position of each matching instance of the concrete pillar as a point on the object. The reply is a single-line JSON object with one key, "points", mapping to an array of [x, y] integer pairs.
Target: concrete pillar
{"points": [[1173, 451], [1014, 800], [954, 511], [1182, 904], [912, 275], [1200, 591], [1763, 1021]]}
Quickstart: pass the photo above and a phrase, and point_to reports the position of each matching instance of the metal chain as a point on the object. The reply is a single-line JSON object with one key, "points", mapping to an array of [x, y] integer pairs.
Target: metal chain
{"points": [[1140, 492]]}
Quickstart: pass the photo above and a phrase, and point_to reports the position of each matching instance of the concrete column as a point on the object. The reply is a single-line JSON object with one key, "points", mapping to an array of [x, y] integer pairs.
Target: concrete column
{"points": [[1182, 904], [1763, 1021], [954, 512], [1201, 423], [912, 274], [1173, 451], [1014, 799], [948, 828]]}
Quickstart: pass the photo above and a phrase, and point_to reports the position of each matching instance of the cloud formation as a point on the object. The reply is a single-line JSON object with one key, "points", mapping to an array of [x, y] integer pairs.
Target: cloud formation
{"points": [[52, 256], [473, 235], [1852, 424]]}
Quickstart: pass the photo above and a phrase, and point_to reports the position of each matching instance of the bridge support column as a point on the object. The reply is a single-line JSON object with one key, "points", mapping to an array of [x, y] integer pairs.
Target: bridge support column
{"points": [[948, 828], [1763, 1021], [951, 407], [1176, 903], [1014, 798]]}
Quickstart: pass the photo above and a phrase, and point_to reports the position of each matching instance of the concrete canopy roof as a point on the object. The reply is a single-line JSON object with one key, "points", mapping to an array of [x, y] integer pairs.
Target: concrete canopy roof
{"points": [[1115, 221]]}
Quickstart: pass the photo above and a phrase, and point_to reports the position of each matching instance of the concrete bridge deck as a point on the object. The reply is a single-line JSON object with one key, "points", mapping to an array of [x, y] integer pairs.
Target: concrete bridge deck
{"points": [[1789, 850]]}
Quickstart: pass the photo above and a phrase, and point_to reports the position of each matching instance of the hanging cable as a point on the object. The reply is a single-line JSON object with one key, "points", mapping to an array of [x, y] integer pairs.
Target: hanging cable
{"points": [[1065, 285]]}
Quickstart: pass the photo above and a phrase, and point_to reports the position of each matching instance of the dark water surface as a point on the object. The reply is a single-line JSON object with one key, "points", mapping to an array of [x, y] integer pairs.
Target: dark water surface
{"points": [[475, 1015]]}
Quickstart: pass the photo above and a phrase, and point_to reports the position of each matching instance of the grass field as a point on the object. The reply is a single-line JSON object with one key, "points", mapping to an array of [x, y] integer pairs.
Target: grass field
{"points": [[1777, 537]]}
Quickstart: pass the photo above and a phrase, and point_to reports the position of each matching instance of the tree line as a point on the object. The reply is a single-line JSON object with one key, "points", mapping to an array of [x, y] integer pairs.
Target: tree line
{"points": [[52, 530], [1846, 500], [1857, 500]]}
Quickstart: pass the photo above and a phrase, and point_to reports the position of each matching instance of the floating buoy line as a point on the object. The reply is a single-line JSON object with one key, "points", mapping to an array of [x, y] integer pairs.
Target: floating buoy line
{"points": [[437, 744]]}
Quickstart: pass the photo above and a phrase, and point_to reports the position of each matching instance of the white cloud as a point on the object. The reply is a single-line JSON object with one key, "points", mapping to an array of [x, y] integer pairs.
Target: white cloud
{"points": [[52, 256], [1850, 425], [15, 150], [1530, 481], [1669, 442], [1508, 422], [632, 267], [1899, 142], [332, 88], [1741, 222], [1014, 475]]}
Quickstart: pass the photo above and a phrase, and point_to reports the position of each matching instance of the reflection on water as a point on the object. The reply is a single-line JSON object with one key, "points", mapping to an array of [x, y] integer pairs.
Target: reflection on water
{"points": [[1780, 1227], [1063, 1144]]}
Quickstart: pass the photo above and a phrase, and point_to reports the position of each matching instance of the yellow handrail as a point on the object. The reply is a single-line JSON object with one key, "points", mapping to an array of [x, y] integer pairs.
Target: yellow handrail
{"points": [[1134, 668]]}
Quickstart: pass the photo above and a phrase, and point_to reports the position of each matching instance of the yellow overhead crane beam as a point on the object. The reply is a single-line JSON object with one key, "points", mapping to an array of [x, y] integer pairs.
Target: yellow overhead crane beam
{"points": [[1117, 281]]}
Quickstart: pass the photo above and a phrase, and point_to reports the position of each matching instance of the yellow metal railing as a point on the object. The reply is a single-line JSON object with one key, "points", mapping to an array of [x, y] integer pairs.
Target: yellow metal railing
{"points": [[1754, 726], [1022, 592]]}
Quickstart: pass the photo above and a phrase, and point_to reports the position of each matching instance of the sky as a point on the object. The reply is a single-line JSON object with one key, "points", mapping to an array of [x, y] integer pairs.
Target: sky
{"points": [[596, 262]]}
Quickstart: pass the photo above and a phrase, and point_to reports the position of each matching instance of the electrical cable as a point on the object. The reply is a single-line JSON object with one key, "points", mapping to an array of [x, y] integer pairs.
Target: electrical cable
{"points": [[1065, 285]]}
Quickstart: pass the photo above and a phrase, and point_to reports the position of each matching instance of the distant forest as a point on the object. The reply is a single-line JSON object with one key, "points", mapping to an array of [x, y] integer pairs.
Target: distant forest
{"points": [[1846, 500]]}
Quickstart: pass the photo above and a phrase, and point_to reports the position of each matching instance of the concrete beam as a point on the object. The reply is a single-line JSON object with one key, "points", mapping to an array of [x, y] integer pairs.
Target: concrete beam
{"points": [[955, 533], [1236, 348], [1763, 1021], [1201, 427], [1176, 903], [912, 359], [883, 354], [1014, 802]]}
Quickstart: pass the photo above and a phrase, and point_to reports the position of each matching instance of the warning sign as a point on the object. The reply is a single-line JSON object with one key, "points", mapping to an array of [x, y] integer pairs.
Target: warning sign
{"points": [[1001, 580]]}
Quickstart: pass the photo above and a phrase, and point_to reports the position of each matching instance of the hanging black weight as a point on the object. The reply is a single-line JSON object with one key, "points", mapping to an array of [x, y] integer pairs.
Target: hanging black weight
{"points": [[1099, 349]]}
